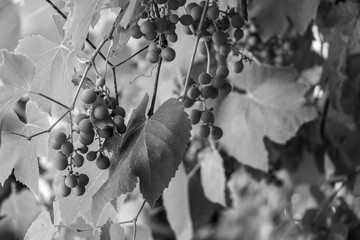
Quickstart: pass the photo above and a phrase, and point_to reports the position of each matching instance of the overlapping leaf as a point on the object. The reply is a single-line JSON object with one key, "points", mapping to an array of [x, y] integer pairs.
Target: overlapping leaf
{"points": [[112, 231], [213, 177], [273, 106], [151, 150], [54, 67], [176, 202], [16, 75], [273, 17], [17, 153]]}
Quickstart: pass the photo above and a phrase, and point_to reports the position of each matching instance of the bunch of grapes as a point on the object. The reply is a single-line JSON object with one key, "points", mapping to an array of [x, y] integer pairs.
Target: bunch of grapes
{"points": [[103, 120], [157, 23], [221, 30], [277, 51]]}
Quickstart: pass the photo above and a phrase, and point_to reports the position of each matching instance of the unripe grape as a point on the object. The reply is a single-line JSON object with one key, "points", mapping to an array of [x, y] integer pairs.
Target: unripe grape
{"points": [[193, 92], [79, 190], [219, 38], [170, 28], [87, 135], [188, 102], [100, 82], [222, 71], [204, 131], [85, 125], [107, 132], [86, 139], [91, 156], [182, 2], [204, 78], [150, 36], [78, 160], [186, 20], [237, 21], [153, 46], [71, 181], [190, 6], [67, 148], [88, 96], [225, 90], [224, 50], [212, 13], [168, 54], [173, 4], [60, 137], [103, 162], [136, 32], [121, 129], [238, 66], [60, 162], [80, 117], [100, 112], [220, 59], [187, 30], [63, 190], [174, 18], [119, 111], [207, 117], [238, 34], [83, 149], [160, 25], [173, 37], [118, 120], [152, 56], [216, 133], [147, 27], [83, 179], [55, 145], [196, 12], [161, 1], [219, 81], [195, 116], [209, 92]]}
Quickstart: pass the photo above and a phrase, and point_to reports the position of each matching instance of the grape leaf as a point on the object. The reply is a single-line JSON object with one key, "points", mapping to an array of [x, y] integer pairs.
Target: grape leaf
{"points": [[16, 74], [22, 208], [78, 23], [42, 228], [273, 106], [176, 202], [10, 25], [273, 17], [19, 153], [112, 231], [54, 66], [212, 174], [151, 150]]}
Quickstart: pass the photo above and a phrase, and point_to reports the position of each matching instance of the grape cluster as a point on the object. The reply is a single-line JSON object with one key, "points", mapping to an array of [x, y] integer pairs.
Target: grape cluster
{"points": [[221, 31], [277, 51], [157, 23], [103, 120]]}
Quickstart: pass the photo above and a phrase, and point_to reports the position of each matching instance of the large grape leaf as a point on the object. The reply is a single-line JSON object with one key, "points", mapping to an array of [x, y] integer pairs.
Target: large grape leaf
{"points": [[17, 153], [54, 67], [84, 13], [273, 106], [151, 150], [176, 202], [213, 179], [16, 75], [273, 17]]}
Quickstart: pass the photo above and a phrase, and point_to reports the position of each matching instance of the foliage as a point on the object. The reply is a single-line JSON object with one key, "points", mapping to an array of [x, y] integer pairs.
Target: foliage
{"points": [[174, 119]]}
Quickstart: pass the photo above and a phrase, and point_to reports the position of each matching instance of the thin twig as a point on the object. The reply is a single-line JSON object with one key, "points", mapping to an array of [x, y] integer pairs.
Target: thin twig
{"points": [[87, 39], [152, 107], [50, 99], [198, 36], [121, 63], [115, 85]]}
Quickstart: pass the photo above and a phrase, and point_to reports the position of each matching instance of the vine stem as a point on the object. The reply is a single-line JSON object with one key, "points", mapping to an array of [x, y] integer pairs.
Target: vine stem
{"points": [[152, 107], [50, 99], [87, 39], [198, 36]]}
